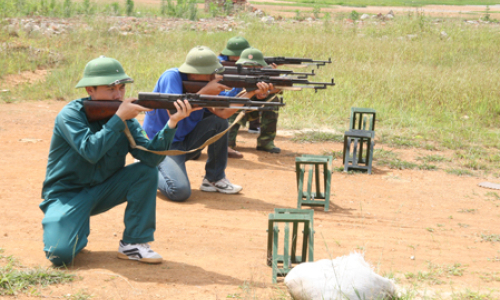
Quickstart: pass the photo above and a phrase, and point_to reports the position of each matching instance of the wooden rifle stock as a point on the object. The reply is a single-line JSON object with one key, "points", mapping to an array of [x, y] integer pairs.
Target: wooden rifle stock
{"points": [[97, 110]]}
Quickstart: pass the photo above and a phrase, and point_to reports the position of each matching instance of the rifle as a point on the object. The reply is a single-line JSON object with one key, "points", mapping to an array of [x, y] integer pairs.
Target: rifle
{"points": [[240, 70], [280, 60], [250, 83], [102, 110]]}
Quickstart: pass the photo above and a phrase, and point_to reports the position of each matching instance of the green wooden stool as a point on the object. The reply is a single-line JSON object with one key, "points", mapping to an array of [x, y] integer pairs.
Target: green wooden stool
{"points": [[283, 263], [356, 155], [313, 164], [362, 118]]}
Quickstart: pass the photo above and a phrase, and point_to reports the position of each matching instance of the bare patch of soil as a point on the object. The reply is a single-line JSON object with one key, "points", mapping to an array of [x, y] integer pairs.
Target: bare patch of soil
{"points": [[12, 80], [214, 245], [473, 11]]}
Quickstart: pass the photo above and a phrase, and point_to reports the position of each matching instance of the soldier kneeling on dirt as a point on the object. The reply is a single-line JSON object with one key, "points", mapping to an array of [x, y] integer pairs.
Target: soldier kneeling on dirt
{"points": [[86, 173]]}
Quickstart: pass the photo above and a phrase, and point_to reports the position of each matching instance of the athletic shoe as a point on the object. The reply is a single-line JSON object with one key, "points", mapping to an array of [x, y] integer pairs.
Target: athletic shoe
{"points": [[221, 186], [254, 130], [270, 150], [140, 252]]}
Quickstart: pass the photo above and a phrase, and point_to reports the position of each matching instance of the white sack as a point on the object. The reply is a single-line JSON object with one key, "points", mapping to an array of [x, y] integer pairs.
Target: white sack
{"points": [[344, 278]]}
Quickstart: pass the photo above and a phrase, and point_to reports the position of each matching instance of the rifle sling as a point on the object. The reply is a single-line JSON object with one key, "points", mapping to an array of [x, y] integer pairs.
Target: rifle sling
{"points": [[210, 141]]}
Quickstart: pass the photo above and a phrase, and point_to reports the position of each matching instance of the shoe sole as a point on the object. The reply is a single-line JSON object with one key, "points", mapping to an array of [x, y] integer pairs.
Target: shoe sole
{"points": [[142, 260], [214, 189], [269, 151]]}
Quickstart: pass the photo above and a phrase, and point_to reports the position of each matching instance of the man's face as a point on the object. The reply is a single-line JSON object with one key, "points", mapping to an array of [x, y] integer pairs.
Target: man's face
{"points": [[233, 58], [107, 92]]}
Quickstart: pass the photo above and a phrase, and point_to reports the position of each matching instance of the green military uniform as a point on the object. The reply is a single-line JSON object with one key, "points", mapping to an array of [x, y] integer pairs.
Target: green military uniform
{"points": [[269, 119], [268, 127], [86, 173]]}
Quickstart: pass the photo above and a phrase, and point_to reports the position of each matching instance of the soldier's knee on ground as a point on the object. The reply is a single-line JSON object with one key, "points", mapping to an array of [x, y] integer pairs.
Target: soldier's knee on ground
{"points": [[61, 255], [174, 191]]}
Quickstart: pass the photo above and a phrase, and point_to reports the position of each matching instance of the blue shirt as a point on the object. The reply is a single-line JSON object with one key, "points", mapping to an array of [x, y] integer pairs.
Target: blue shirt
{"points": [[170, 82], [84, 154], [234, 91], [223, 58]]}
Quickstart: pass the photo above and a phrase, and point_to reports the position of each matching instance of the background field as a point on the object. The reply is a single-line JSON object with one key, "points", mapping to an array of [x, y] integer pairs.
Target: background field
{"points": [[432, 79]]}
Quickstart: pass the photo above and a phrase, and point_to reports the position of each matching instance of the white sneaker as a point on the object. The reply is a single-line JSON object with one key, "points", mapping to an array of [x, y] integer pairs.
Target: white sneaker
{"points": [[254, 130], [140, 252], [221, 186]]}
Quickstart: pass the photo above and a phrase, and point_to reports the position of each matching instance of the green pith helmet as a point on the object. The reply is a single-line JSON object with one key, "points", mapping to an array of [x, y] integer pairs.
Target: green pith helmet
{"points": [[252, 57], [103, 71], [201, 60], [235, 46]]}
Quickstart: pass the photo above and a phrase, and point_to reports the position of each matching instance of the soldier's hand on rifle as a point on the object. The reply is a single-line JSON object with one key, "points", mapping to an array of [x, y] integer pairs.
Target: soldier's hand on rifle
{"points": [[213, 87], [129, 110], [264, 89], [184, 109]]}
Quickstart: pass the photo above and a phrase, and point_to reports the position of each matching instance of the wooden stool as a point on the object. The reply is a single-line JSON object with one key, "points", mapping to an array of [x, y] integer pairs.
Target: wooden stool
{"points": [[355, 153], [282, 263], [318, 197], [362, 119]]}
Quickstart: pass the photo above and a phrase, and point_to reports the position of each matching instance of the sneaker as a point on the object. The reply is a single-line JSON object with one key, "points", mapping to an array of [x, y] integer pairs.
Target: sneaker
{"points": [[254, 130], [270, 150], [140, 252], [221, 186]]}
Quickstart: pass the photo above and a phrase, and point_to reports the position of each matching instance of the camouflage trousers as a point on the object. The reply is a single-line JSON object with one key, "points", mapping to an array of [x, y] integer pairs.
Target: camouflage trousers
{"points": [[268, 127]]}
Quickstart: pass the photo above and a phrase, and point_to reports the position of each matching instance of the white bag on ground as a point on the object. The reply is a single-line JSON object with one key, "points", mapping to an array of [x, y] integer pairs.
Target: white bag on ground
{"points": [[344, 278]]}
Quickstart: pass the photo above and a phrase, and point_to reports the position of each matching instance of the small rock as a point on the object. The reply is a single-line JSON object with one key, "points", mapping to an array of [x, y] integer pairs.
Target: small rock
{"points": [[364, 16], [13, 30], [443, 35], [267, 19], [113, 30], [28, 27]]}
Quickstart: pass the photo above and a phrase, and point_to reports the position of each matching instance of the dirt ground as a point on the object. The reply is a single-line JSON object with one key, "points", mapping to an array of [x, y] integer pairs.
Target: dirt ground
{"points": [[214, 245], [464, 11]]}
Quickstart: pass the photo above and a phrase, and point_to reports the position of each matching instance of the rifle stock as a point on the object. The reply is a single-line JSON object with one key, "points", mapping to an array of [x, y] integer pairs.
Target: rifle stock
{"points": [[97, 110]]}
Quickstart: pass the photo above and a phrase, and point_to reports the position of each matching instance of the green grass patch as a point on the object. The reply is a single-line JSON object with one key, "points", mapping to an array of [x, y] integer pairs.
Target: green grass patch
{"points": [[433, 158], [459, 172], [317, 136], [471, 295], [15, 279], [490, 237], [399, 164], [493, 195]]}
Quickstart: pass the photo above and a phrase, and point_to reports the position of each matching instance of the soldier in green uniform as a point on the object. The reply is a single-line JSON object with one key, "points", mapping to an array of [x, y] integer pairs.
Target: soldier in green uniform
{"points": [[86, 173], [252, 57]]}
